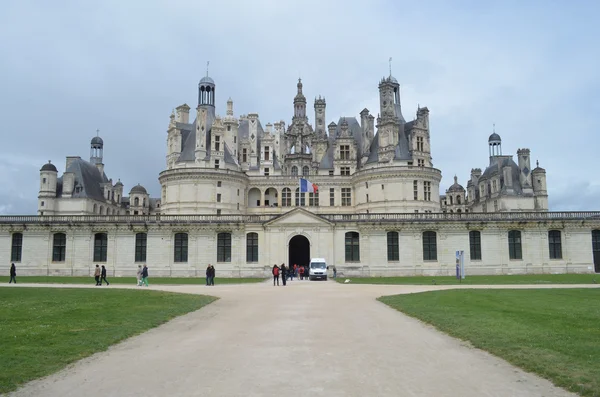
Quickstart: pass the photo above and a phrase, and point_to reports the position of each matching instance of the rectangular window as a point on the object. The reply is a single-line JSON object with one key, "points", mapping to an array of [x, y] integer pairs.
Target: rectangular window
{"points": [[367, 198], [234, 137], [218, 183], [429, 246], [218, 212], [495, 205], [346, 197], [393, 247], [300, 198], [421, 162], [514, 245], [218, 197], [181, 247], [252, 247], [100, 247], [475, 245], [345, 171], [352, 247], [216, 164], [415, 190], [331, 197], [266, 153], [141, 242], [313, 199], [286, 197], [224, 247], [420, 145], [344, 152], [555, 244], [267, 171], [427, 191], [244, 155], [16, 247], [59, 247]]}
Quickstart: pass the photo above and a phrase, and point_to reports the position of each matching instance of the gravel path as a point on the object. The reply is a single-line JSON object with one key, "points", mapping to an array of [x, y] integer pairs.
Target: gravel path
{"points": [[307, 339]]}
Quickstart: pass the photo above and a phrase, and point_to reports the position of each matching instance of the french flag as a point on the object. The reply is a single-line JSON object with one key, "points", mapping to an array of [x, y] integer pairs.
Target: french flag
{"points": [[306, 186]]}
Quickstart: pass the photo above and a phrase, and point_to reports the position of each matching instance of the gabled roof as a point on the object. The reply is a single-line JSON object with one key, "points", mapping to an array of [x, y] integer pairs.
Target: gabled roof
{"points": [[299, 216]]}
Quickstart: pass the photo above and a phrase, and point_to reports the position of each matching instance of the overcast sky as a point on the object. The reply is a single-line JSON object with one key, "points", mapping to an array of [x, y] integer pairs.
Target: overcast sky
{"points": [[68, 68]]}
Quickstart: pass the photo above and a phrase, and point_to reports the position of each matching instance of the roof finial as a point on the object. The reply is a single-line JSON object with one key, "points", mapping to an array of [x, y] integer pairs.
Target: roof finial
{"points": [[455, 179], [390, 66], [207, 63], [494, 128], [537, 163], [97, 132]]}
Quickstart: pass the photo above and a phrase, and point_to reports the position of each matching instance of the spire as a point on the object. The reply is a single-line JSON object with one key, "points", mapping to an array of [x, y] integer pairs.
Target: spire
{"points": [[455, 179], [207, 63], [390, 66], [299, 85]]}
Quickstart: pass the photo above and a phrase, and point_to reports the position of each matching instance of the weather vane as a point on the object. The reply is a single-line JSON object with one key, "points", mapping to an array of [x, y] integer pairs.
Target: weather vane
{"points": [[390, 66], [207, 63], [97, 132]]}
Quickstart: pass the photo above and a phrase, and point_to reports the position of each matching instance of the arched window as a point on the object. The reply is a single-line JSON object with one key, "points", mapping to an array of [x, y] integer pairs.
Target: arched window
{"points": [[393, 248], [352, 247], [286, 197], [252, 247], [101, 211], [457, 199], [475, 245], [16, 247], [305, 170], [451, 200], [59, 247], [458, 211], [136, 201], [181, 247], [294, 171], [95, 208], [555, 244], [224, 247], [514, 245], [429, 246], [100, 247], [141, 240], [144, 203]]}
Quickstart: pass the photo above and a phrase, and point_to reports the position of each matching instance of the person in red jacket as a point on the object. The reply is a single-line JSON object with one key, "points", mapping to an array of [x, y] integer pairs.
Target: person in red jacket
{"points": [[301, 271], [275, 275]]}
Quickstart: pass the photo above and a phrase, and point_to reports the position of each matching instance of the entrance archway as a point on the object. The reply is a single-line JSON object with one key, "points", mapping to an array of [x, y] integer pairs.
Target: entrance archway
{"points": [[299, 251]]}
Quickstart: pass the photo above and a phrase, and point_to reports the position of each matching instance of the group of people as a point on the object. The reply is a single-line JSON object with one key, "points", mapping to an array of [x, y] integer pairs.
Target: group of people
{"points": [[288, 273], [100, 275], [142, 276], [210, 275]]}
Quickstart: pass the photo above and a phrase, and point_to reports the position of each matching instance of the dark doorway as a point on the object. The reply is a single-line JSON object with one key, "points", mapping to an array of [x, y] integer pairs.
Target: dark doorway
{"points": [[596, 249], [299, 251]]}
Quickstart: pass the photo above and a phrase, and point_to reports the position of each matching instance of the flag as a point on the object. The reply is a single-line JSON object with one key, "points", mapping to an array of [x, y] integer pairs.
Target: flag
{"points": [[306, 186]]}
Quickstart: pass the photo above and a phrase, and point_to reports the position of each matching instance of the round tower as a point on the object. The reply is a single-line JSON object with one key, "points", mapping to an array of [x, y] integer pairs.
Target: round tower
{"points": [[495, 145], [539, 187], [206, 92], [47, 193], [96, 150]]}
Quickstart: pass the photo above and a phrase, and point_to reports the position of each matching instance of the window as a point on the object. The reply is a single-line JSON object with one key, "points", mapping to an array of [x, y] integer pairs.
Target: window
{"points": [[346, 197], [294, 171], [43, 180], [367, 185], [252, 247], [331, 197], [514, 245], [475, 245], [495, 205], [42, 203], [218, 212], [420, 162], [181, 247], [267, 171], [141, 240], [345, 171], [555, 244], [216, 164], [352, 247], [420, 145], [393, 251], [429, 246], [100, 247], [136, 202], [217, 143], [305, 171], [16, 247], [218, 197], [330, 172], [427, 191], [229, 129], [266, 153], [218, 183], [313, 199], [367, 198], [300, 198], [244, 155], [143, 204], [224, 247], [59, 247], [382, 187], [494, 186], [344, 152], [415, 190], [457, 199], [286, 197], [451, 200]]}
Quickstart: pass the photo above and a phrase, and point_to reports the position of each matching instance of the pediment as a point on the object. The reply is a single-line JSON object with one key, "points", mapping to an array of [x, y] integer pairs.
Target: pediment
{"points": [[299, 216]]}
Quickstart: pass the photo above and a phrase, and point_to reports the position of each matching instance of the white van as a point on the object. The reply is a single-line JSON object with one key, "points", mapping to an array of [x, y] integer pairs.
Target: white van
{"points": [[317, 269]]}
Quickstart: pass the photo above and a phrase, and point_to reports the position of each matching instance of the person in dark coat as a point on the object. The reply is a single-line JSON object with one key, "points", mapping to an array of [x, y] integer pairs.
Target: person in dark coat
{"points": [[284, 271], [275, 272], [103, 276], [212, 275], [145, 276], [13, 273], [208, 274], [97, 275]]}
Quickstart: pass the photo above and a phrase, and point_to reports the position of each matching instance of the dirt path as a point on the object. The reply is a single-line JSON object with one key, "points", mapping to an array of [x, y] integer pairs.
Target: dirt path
{"points": [[307, 339]]}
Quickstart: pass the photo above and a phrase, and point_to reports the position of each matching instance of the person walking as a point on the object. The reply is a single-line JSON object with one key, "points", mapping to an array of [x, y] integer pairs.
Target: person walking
{"points": [[13, 273], [208, 275], [138, 276], [275, 272], [103, 276], [284, 273], [145, 275], [301, 272], [212, 275], [97, 275], [334, 271]]}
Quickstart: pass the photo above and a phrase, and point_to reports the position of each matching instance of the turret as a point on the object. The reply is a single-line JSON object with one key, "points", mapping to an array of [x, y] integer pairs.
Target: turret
{"points": [[320, 118], [299, 102], [47, 193], [495, 145], [539, 188], [525, 170], [139, 200], [206, 92]]}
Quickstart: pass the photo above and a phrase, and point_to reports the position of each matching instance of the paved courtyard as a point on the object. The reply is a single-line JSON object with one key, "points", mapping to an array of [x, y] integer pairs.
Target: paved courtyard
{"points": [[306, 339]]}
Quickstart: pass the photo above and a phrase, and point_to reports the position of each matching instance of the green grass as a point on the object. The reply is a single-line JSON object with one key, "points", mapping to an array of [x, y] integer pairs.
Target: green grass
{"points": [[129, 280], [45, 329], [481, 280], [554, 333]]}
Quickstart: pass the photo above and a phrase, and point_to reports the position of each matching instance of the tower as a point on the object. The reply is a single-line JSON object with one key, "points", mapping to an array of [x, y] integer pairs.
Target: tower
{"points": [[390, 120], [495, 144], [206, 92], [320, 118], [47, 193], [299, 103], [525, 170], [96, 149], [205, 114]]}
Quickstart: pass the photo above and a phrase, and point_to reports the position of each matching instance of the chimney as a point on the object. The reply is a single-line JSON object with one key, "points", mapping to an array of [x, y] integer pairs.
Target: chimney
{"points": [[68, 183], [183, 114], [70, 160], [100, 167]]}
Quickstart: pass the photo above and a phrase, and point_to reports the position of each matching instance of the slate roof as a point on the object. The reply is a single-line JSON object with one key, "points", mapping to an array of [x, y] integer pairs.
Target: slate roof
{"points": [[87, 178], [188, 136]]}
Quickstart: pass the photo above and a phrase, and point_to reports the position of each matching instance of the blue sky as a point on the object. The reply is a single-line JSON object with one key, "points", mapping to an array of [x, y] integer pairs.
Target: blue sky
{"points": [[70, 67]]}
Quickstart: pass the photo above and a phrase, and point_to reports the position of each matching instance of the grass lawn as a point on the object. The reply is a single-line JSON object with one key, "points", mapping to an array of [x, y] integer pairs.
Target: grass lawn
{"points": [[45, 329], [473, 280], [554, 333], [129, 280]]}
